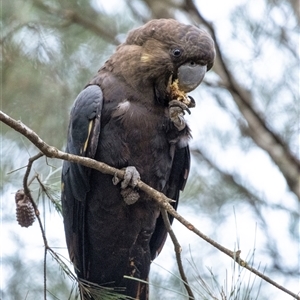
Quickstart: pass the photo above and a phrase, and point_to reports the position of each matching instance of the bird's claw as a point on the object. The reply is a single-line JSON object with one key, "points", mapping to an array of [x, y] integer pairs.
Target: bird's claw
{"points": [[131, 177], [176, 112], [192, 102], [179, 105], [130, 180]]}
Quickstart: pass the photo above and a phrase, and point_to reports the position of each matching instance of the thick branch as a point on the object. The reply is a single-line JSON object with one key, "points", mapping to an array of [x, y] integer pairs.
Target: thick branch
{"points": [[160, 198], [259, 131]]}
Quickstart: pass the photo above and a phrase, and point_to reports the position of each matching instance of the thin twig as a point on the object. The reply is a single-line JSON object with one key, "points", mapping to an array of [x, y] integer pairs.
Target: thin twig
{"points": [[37, 214], [27, 173], [177, 249], [45, 273], [160, 198], [235, 255]]}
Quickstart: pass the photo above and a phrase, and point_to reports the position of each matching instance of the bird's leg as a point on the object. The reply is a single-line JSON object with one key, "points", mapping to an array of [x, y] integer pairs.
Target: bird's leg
{"points": [[131, 178], [176, 112]]}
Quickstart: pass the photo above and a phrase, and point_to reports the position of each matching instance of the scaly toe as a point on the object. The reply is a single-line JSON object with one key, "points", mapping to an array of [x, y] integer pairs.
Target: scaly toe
{"points": [[131, 177]]}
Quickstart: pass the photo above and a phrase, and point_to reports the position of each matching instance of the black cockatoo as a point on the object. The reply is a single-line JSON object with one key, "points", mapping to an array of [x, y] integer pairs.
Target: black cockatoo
{"points": [[130, 116]]}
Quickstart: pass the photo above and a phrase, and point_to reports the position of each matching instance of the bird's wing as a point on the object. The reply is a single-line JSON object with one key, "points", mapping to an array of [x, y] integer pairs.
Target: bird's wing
{"points": [[178, 177], [83, 135]]}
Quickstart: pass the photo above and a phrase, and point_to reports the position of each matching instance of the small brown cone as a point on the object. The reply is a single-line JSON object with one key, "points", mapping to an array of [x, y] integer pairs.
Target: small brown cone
{"points": [[25, 210]]}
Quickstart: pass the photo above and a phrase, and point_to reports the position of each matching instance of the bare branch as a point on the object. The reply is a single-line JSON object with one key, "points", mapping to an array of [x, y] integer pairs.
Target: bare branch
{"points": [[160, 198], [177, 249], [37, 214], [248, 195]]}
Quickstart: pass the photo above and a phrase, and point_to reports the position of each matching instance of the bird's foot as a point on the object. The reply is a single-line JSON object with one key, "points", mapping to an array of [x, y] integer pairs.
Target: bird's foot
{"points": [[176, 112], [131, 178]]}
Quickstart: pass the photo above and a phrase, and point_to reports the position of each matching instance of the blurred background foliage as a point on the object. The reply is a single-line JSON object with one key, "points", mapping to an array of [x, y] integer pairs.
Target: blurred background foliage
{"points": [[243, 189]]}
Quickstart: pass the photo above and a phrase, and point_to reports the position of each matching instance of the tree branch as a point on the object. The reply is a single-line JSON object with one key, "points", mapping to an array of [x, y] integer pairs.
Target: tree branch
{"points": [[72, 17], [47, 248], [160, 198], [37, 213], [258, 130], [177, 249]]}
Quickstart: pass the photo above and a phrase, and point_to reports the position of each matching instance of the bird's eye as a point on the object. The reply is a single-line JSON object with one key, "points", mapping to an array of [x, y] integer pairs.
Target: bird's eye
{"points": [[176, 52], [192, 64]]}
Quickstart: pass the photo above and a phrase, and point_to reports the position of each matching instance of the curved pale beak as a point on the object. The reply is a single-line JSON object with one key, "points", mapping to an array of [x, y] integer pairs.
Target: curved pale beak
{"points": [[190, 76]]}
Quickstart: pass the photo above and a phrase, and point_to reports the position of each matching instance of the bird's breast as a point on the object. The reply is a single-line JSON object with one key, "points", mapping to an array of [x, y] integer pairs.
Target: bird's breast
{"points": [[136, 136]]}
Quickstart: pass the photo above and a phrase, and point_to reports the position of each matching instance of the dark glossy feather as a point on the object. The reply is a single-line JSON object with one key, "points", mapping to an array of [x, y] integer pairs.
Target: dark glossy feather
{"points": [[122, 118]]}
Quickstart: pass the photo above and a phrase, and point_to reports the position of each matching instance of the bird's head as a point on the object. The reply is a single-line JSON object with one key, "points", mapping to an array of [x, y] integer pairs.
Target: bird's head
{"points": [[164, 51]]}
